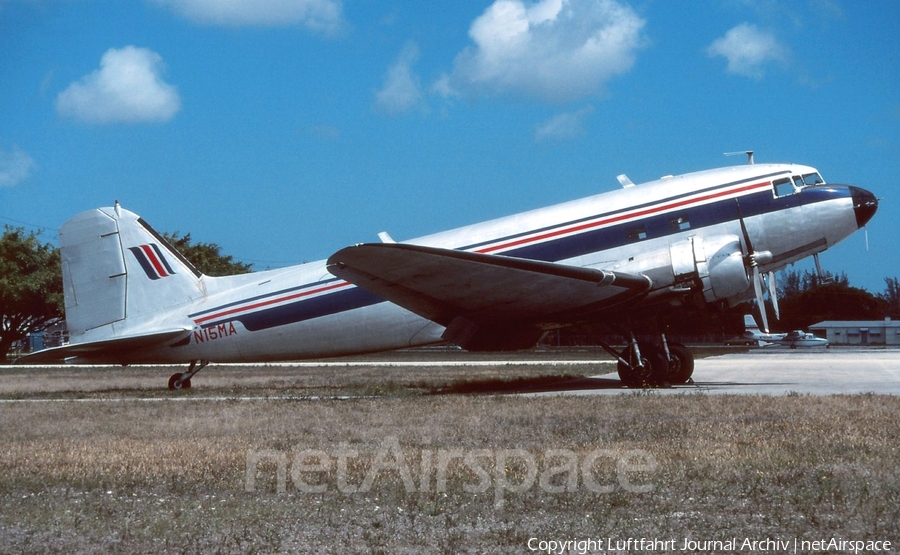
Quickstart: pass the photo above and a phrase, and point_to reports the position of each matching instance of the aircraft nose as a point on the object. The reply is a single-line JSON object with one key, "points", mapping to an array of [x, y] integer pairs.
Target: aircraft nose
{"points": [[864, 205]]}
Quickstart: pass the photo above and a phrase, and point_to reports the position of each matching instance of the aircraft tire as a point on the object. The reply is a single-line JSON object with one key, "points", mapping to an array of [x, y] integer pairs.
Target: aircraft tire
{"points": [[646, 375], [632, 376], [681, 364], [176, 383], [659, 366]]}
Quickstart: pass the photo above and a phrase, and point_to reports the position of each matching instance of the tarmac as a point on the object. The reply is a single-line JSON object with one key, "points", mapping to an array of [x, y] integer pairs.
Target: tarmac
{"points": [[781, 371], [764, 371], [818, 371]]}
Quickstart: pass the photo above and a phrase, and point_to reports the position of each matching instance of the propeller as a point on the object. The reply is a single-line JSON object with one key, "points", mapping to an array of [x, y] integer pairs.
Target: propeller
{"points": [[773, 294], [752, 260]]}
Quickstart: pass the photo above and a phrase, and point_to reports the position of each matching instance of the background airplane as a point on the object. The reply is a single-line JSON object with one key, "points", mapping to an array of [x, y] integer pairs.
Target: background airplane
{"points": [[634, 259], [794, 339], [754, 334]]}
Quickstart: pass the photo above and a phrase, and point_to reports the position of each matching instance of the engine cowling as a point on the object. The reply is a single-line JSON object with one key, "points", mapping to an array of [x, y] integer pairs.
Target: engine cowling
{"points": [[720, 267], [714, 265]]}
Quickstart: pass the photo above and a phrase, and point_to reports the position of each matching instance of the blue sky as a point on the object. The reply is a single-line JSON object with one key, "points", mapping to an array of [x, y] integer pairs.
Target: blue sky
{"points": [[284, 130]]}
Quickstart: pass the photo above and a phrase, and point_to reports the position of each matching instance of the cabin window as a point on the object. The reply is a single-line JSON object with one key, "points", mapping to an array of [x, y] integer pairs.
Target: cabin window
{"points": [[637, 233], [783, 187], [681, 223]]}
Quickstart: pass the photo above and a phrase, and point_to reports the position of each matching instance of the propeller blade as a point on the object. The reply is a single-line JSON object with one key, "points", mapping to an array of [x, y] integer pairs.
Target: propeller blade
{"points": [[759, 299], [773, 294], [747, 244], [751, 263]]}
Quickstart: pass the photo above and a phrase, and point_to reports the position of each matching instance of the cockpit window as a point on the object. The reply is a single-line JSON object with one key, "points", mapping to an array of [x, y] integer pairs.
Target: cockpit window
{"points": [[789, 185], [783, 187], [813, 179]]}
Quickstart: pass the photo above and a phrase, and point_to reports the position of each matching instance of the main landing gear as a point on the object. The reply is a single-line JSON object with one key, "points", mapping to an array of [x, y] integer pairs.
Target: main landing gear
{"points": [[645, 364], [182, 380]]}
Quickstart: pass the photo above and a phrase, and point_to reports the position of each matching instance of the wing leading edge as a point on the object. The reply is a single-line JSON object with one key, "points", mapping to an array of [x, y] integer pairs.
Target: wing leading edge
{"points": [[475, 295]]}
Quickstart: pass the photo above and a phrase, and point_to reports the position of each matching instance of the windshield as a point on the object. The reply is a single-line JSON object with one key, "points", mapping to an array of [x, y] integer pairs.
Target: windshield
{"points": [[813, 179], [790, 185]]}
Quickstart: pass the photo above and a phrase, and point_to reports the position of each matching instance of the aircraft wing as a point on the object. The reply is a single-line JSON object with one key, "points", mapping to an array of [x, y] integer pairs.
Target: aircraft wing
{"points": [[447, 285], [117, 350]]}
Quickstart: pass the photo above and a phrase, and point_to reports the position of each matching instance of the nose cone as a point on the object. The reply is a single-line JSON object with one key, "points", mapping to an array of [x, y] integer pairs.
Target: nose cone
{"points": [[864, 205]]}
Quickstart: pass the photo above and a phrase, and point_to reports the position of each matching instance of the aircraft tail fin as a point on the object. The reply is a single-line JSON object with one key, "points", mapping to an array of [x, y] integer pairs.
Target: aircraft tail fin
{"points": [[750, 323], [119, 275]]}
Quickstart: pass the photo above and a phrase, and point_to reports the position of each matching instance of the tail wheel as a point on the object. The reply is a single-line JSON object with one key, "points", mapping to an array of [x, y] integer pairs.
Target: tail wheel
{"points": [[681, 364], [175, 382]]}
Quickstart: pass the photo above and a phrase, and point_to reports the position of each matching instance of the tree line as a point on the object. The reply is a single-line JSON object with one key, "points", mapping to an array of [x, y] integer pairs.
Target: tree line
{"points": [[31, 291]]}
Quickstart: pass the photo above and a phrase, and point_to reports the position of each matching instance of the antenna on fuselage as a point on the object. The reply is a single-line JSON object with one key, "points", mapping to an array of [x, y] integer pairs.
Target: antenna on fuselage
{"points": [[624, 181], [749, 154]]}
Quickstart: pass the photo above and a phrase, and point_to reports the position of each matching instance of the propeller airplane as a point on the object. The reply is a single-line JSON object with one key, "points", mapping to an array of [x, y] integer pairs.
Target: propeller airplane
{"points": [[632, 259]]}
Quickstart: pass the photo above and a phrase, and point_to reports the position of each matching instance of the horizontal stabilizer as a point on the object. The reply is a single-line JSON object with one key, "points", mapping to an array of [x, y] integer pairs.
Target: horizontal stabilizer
{"points": [[108, 350], [443, 285]]}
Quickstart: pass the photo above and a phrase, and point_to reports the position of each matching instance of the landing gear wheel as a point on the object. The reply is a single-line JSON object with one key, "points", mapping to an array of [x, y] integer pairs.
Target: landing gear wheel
{"points": [[659, 365], [175, 382], [681, 364], [651, 370], [633, 375]]}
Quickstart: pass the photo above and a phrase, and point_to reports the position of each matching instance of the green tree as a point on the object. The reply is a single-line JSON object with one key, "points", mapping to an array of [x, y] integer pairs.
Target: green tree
{"points": [[807, 298], [31, 293], [891, 296], [206, 257], [792, 283], [831, 301]]}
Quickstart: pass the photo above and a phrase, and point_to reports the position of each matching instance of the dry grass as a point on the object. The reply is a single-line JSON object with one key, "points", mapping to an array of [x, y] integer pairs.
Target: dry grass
{"points": [[134, 476]]}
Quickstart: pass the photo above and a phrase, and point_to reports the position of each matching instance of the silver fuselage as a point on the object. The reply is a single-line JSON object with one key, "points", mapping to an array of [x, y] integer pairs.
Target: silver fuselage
{"points": [[684, 232]]}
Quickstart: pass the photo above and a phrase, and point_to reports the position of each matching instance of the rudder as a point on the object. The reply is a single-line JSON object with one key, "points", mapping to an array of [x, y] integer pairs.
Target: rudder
{"points": [[118, 274], [750, 323]]}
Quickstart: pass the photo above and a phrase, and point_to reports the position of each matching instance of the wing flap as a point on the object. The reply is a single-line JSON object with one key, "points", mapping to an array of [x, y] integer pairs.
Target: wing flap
{"points": [[119, 349], [443, 285]]}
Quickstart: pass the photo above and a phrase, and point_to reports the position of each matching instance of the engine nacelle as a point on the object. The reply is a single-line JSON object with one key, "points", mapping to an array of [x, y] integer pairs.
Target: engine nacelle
{"points": [[720, 267], [714, 265]]}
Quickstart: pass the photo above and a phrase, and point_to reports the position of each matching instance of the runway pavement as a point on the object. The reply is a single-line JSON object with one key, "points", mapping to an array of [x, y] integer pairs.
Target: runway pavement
{"points": [[817, 371], [781, 371], [769, 371]]}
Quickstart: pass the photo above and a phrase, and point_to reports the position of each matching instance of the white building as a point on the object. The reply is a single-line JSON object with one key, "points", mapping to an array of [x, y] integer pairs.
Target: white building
{"points": [[859, 332]]}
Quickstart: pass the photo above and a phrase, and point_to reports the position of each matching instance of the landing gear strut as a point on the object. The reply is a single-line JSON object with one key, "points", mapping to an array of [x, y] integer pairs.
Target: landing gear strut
{"points": [[645, 364], [640, 364], [182, 380], [681, 363]]}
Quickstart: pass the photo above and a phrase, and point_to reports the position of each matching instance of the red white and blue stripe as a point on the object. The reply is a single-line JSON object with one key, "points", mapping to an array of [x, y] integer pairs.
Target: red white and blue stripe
{"points": [[152, 261]]}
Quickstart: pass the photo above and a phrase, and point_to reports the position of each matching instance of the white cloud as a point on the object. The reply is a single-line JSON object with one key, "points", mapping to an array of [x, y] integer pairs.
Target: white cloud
{"points": [[555, 50], [126, 88], [560, 127], [748, 50], [15, 167], [401, 90], [318, 15]]}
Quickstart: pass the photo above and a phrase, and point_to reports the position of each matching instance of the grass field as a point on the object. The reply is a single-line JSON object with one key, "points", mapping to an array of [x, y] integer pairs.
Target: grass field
{"points": [[368, 459]]}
